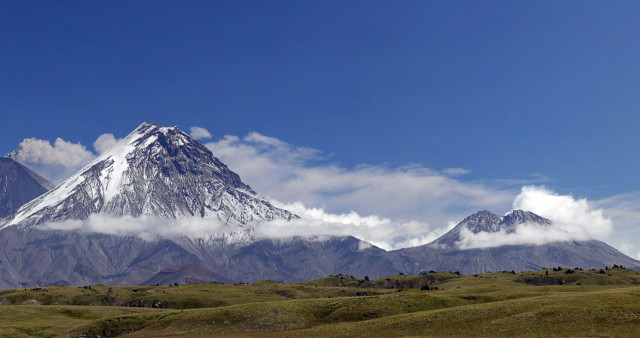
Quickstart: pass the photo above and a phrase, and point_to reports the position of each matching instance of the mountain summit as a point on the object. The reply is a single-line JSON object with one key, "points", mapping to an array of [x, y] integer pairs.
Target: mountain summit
{"points": [[486, 221], [445, 253], [157, 171]]}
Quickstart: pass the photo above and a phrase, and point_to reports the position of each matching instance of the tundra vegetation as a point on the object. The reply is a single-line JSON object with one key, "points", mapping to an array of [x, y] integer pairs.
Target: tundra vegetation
{"points": [[554, 301]]}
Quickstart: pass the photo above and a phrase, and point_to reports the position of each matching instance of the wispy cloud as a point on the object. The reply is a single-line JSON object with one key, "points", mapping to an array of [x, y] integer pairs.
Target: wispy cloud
{"points": [[145, 227], [381, 232], [314, 223], [455, 171], [624, 211], [531, 179], [290, 174]]}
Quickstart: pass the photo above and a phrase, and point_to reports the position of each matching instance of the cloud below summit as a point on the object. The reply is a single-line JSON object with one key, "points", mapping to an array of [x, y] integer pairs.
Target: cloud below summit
{"points": [[381, 232]]}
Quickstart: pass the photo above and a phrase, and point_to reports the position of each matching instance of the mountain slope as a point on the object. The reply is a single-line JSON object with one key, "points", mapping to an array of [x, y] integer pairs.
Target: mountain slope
{"points": [[444, 254], [157, 171], [186, 274], [33, 257], [164, 173], [18, 185], [486, 221]]}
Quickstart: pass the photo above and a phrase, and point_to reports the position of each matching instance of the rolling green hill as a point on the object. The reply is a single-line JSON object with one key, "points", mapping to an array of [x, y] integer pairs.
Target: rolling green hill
{"points": [[562, 302]]}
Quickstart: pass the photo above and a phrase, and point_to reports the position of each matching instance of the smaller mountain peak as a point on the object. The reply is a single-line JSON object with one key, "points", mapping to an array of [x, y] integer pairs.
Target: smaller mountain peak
{"points": [[483, 214], [522, 216], [483, 220]]}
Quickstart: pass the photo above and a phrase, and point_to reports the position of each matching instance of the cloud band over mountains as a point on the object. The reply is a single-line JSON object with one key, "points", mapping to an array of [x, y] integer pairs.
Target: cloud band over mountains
{"points": [[386, 206], [573, 220]]}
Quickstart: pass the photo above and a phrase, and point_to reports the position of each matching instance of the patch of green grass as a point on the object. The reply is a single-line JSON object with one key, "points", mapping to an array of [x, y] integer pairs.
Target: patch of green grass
{"points": [[586, 303], [601, 313], [51, 321]]}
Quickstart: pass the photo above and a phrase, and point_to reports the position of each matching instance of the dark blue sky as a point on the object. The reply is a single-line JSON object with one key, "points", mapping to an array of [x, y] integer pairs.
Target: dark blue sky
{"points": [[503, 88]]}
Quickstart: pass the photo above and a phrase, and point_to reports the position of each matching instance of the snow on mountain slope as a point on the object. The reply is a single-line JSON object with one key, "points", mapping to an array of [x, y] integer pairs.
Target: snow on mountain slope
{"points": [[156, 171]]}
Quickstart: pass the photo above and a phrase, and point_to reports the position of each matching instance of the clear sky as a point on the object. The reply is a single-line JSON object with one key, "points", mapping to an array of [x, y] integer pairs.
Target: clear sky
{"points": [[502, 88], [537, 90]]}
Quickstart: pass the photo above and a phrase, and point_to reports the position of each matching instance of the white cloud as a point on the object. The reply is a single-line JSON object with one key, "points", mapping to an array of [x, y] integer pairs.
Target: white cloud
{"points": [[60, 160], [381, 232], [289, 174], [55, 161], [314, 223], [200, 133], [562, 209], [572, 219], [63, 153], [629, 249], [104, 142], [145, 227]]}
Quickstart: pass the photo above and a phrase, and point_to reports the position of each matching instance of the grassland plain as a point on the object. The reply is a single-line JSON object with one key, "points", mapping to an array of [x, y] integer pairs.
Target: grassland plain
{"points": [[564, 302]]}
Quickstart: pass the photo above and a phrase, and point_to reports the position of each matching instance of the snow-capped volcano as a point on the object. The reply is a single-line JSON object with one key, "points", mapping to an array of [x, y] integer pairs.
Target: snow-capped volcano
{"points": [[157, 171]]}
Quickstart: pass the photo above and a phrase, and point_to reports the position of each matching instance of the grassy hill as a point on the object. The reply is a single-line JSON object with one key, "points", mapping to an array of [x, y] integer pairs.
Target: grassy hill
{"points": [[561, 302]]}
